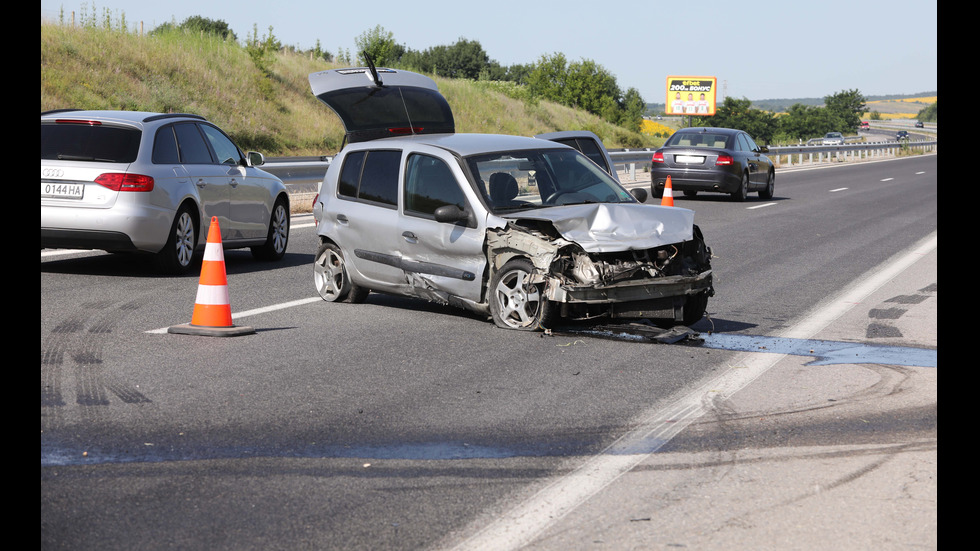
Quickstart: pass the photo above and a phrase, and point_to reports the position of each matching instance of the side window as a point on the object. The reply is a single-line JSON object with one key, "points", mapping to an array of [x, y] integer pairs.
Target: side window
{"points": [[379, 179], [430, 184], [370, 176], [350, 174], [227, 152], [752, 145], [165, 147], [191, 144]]}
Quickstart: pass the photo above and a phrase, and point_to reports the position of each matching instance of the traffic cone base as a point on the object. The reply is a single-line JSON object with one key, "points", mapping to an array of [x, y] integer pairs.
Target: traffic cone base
{"points": [[668, 198], [212, 309]]}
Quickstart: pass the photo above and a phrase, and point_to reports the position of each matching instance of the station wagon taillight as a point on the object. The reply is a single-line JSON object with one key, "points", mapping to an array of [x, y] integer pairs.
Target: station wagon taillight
{"points": [[125, 182], [725, 160]]}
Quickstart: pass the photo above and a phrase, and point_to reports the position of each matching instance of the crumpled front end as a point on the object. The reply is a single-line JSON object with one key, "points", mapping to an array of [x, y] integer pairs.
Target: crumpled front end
{"points": [[670, 280]]}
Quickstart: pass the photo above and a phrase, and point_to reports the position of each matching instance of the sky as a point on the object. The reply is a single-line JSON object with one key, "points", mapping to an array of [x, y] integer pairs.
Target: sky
{"points": [[756, 50]]}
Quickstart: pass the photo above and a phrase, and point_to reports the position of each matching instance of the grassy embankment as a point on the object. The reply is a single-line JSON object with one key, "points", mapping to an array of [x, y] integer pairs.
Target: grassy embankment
{"points": [[268, 109]]}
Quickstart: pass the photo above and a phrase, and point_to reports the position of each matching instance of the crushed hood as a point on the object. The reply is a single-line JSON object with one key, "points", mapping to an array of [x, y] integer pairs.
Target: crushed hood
{"points": [[612, 227]]}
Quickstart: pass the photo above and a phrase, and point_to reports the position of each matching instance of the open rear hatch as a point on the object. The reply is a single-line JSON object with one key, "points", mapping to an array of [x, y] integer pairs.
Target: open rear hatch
{"points": [[378, 103]]}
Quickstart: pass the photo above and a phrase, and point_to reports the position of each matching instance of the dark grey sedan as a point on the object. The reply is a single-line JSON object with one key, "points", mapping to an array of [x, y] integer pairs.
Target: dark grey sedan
{"points": [[713, 159]]}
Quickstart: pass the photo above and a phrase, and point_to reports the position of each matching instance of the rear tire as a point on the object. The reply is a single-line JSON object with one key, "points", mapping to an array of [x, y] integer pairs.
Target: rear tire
{"points": [[770, 188], [742, 193], [331, 278], [177, 255], [694, 308]]}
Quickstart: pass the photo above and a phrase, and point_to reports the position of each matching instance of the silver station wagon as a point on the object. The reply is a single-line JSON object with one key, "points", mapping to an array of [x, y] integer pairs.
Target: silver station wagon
{"points": [[524, 230], [127, 181]]}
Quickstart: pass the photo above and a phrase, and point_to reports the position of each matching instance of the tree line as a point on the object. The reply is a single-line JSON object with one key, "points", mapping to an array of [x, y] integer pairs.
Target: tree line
{"points": [[841, 112]]}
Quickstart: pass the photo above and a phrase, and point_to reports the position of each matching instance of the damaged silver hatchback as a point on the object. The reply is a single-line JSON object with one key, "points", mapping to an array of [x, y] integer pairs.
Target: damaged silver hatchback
{"points": [[524, 230]]}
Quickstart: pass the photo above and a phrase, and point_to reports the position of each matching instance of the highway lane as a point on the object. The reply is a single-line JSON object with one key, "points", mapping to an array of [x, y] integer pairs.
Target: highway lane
{"points": [[393, 423]]}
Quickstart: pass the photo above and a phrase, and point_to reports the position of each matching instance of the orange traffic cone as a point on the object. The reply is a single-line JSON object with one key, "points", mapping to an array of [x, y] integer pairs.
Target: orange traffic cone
{"points": [[212, 309], [668, 199]]}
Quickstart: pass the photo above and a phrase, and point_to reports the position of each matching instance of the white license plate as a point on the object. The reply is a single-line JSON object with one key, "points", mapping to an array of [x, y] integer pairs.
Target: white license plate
{"points": [[62, 190], [689, 159]]}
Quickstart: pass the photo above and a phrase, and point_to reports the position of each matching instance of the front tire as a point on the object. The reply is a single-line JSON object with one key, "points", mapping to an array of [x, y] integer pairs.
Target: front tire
{"points": [[331, 278], [516, 303], [274, 247], [694, 308]]}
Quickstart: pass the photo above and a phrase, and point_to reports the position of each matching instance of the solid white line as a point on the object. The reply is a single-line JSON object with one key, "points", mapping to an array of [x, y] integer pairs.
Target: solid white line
{"points": [[837, 189], [520, 525], [886, 179], [256, 311], [760, 206]]}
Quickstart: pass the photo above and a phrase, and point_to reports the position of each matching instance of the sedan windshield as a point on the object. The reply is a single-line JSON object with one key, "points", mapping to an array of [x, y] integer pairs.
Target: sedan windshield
{"points": [[519, 180]]}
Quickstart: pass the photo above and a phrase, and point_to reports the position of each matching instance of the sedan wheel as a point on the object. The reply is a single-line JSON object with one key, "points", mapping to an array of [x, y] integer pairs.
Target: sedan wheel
{"points": [[178, 253], [770, 187], [742, 192], [331, 279], [516, 303], [274, 247]]}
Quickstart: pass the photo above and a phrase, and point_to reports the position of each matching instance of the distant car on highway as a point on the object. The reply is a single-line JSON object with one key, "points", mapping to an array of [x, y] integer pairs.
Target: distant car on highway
{"points": [[902, 135], [127, 181], [865, 125], [918, 124], [833, 138], [712, 159]]}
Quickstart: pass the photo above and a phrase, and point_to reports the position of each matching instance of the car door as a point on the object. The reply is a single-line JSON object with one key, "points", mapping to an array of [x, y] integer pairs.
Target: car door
{"points": [[750, 157], [210, 178], [249, 205], [440, 257], [364, 217]]}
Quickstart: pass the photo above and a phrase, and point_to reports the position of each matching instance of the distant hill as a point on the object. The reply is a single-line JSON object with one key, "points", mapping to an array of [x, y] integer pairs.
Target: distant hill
{"points": [[896, 105]]}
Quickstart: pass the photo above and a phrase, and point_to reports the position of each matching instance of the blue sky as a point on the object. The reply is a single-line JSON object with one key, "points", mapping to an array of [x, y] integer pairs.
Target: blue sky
{"points": [[756, 50]]}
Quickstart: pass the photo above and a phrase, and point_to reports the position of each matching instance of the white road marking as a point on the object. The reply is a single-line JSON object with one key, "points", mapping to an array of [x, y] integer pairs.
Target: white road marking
{"points": [[257, 311], [521, 524], [760, 206], [838, 189]]}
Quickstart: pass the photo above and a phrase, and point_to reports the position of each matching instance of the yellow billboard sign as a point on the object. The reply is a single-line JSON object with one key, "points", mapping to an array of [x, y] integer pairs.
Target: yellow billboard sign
{"points": [[691, 96]]}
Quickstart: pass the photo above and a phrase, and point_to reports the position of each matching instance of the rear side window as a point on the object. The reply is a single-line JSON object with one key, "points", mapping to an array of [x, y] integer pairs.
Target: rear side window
{"points": [[430, 184], [371, 176], [85, 142]]}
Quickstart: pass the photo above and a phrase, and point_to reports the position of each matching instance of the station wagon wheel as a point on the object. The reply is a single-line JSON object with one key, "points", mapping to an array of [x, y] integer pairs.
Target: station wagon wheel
{"points": [[178, 253], [330, 276], [515, 303], [274, 247], [767, 192], [742, 192]]}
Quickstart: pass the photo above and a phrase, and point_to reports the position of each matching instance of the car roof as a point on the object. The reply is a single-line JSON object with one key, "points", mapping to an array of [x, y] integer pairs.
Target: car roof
{"points": [[125, 117], [706, 129], [466, 144]]}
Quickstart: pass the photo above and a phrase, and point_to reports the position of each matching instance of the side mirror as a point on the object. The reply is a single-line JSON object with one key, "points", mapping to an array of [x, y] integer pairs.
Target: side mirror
{"points": [[255, 158], [451, 214], [640, 194]]}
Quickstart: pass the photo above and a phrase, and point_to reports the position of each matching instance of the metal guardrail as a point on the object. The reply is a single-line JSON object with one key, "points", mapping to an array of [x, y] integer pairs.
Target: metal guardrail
{"points": [[303, 174]]}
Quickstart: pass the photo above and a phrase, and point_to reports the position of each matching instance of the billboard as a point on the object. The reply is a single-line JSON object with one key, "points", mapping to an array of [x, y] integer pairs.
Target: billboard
{"points": [[691, 96]]}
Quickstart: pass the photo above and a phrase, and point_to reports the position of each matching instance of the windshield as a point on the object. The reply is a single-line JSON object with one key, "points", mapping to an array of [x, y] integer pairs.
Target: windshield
{"points": [[518, 180]]}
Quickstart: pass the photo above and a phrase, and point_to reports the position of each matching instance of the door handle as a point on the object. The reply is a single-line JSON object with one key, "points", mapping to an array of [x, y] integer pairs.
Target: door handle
{"points": [[410, 237], [342, 218], [233, 183], [201, 183]]}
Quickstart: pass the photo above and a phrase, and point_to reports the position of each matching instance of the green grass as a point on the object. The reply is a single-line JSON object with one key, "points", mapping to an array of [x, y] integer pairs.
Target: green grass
{"points": [[269, 109]]}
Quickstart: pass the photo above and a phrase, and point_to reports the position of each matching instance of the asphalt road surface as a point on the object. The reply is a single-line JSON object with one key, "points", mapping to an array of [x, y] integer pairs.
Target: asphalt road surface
{"points": [[805, 417]]}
